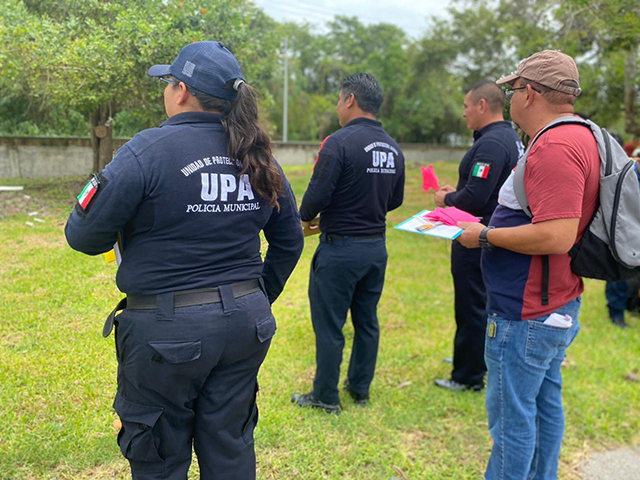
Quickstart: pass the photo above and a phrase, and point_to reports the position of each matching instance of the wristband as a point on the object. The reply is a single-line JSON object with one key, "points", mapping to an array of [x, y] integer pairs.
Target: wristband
{"points": [[482, 239]]}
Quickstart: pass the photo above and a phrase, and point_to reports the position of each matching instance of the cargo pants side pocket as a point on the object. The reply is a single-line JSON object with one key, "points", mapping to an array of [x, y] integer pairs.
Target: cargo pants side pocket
{"points": [[138, 438]]}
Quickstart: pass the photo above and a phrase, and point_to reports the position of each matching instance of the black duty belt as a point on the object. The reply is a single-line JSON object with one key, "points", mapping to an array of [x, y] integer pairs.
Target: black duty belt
{"points": [[184, 298], [188, 298], [334, 237]]}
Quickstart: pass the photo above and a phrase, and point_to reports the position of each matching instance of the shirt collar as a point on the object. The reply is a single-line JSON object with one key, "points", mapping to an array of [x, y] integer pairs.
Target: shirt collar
{"points": [[501, 124], [364, 120], [193, 117]]}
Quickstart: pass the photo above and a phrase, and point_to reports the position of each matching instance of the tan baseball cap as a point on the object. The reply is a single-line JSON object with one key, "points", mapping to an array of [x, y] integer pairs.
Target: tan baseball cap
{"points": [[550, 68]]}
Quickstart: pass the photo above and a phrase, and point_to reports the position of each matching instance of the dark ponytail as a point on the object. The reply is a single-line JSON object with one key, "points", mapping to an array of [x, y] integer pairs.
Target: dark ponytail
{"points": [[247, 141]]}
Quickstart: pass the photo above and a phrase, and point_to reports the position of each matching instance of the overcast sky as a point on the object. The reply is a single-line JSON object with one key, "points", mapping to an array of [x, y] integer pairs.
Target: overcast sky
{"points": [[410, 15]]}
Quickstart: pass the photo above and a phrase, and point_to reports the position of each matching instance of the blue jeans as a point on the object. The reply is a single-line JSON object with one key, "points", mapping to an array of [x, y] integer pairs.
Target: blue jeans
{"points": [[524, 395]]}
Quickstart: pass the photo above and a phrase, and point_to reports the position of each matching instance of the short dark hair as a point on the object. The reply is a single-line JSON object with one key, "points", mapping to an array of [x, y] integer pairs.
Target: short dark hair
{"points": [[366, 89], [490, 92]]}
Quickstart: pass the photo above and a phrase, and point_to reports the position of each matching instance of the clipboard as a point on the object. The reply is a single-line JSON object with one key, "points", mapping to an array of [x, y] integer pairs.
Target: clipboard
{"points": [[418, 224]]}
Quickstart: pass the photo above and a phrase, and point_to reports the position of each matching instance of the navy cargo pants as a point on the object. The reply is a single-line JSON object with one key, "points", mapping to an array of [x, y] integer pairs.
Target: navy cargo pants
{"points": [[188, 376], [471, 315], [346, 274]]}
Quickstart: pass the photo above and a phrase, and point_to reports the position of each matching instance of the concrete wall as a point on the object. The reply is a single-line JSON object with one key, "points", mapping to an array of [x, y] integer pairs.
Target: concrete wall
{"points": [[62, 157]]}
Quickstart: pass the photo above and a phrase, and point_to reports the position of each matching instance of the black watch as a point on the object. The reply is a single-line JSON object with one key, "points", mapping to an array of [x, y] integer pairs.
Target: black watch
{"points": [[482, 239]]}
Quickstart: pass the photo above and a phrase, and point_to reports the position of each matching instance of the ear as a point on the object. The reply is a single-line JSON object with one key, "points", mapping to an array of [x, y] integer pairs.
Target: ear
{"points": [[530, 94], [351, 101], [184, 94], [484, 106]]}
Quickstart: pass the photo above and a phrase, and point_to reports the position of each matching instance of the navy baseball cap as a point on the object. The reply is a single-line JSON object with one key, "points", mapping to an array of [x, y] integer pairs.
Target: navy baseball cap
{"points": [[205, 66]]}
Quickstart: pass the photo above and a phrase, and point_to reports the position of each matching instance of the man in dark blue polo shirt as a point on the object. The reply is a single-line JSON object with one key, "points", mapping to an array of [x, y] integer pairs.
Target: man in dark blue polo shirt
{"points": [[357, 179], [483, 170]]}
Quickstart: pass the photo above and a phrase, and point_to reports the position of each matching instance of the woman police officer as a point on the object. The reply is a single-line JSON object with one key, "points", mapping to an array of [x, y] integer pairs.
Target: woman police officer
{"points": [[188, 200]]}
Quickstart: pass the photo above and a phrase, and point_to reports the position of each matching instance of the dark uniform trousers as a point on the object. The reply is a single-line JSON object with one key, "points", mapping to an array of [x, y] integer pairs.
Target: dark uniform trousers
{"points": [[616, 293], [346, 274], [471, 315], [191, 373]]}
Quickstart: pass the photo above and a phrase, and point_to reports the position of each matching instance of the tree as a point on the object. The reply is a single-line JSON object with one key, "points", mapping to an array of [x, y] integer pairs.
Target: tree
{"points": [[91, 56], [615, 46], [602, 35], [319, 62]]}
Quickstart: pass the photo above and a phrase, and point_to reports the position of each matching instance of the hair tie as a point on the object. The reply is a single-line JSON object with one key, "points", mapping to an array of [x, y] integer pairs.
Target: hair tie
{"points": [[237, 83]]}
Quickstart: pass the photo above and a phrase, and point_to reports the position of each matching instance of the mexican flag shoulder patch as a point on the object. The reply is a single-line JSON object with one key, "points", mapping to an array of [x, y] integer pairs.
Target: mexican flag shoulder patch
{"points": [[88, 192], [481, 170]]}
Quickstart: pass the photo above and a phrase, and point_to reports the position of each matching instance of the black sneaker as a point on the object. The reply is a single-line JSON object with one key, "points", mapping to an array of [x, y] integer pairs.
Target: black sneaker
{"points": [[450, 384], [308, 400], [358, 398], [619, 322]]}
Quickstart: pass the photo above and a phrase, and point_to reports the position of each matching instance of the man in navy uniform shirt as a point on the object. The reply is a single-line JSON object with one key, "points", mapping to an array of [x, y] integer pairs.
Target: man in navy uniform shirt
{"points": [[483, 170], [357, 179]]}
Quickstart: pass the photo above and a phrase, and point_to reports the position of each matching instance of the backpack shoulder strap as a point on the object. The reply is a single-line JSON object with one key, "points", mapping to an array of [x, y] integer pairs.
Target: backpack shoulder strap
{"points": [[521, 194], [518, 177]]}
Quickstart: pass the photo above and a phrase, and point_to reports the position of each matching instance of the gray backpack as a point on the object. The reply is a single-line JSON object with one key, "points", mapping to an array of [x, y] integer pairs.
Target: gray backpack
{"points": [[610, 248]]}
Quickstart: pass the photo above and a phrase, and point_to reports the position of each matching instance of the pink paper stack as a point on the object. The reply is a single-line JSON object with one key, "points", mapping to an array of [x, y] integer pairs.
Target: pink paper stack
{"points": [[450, 216]]}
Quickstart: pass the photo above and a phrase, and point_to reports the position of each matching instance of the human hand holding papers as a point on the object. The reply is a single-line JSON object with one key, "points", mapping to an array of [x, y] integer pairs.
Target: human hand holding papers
{"points": [[441, 222], [311, 227]]}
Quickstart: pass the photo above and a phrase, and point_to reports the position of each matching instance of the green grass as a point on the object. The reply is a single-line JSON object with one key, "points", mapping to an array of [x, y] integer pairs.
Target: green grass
{"points": [[58, 373]]}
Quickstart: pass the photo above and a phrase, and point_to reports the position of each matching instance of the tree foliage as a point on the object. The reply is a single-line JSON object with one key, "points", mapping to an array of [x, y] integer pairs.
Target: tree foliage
{"points": [[602, 35], [63, 61], [92, 54]]}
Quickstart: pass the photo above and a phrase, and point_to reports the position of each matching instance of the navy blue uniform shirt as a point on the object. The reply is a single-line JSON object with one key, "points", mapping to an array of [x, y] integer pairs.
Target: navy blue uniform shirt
{"points": [[187, 219], [484, 168], [357, 179]]}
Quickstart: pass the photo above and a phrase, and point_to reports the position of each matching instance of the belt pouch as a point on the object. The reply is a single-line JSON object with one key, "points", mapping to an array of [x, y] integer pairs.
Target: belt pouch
{"points": [[228, 300], [164, 307]]}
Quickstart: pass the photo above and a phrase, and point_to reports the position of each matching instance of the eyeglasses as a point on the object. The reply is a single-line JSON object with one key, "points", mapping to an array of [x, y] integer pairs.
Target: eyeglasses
{"points": [[510, 92], [175, 81], [169, 80]]}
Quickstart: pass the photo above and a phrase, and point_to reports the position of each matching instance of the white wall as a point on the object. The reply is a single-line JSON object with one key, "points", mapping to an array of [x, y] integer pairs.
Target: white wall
{"points": [[63, 157]]}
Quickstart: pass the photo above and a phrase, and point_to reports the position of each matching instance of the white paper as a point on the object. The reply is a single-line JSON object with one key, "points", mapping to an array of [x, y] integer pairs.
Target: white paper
{"points": [[117, 247], [560, 321]]}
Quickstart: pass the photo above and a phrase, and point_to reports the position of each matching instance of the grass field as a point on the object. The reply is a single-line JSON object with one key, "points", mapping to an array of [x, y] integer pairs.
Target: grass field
{"points": [[57, 373]]}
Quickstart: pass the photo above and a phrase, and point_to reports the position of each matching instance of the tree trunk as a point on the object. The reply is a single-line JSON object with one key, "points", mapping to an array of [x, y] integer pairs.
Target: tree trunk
{"points": [[630, 94], [101, 137], [95, 142], [106, 145]]}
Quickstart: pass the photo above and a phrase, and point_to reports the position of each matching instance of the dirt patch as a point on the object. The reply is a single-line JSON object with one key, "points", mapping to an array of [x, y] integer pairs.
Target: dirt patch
{"points": [[41, 195], [13, 203]]}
